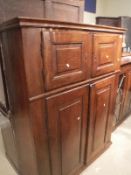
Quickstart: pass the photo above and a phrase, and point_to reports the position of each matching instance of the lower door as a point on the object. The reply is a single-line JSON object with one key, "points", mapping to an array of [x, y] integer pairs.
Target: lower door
{"points": [[67, 127], [102, 103]]}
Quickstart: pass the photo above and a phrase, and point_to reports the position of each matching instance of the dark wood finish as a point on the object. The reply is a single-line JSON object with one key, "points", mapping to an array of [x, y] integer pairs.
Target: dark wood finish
{"points": [[123, 100], [101, 115], [13, 8], [110, 21], [4, 103], [106, 53], [49, 96], [119, 98], [18, 101], [126, 71], [67, 130], [65, 10], [127, 100], [66, 57]]}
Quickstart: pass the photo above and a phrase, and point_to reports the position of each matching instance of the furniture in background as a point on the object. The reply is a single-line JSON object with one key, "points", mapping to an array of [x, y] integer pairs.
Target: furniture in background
{"points": [[65, 10], [122, 21], [61, 79], [123, 100]]}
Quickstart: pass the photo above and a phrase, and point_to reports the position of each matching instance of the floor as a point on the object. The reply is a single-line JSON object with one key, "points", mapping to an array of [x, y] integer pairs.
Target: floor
{"points": [[5, 167], [115, 161]]}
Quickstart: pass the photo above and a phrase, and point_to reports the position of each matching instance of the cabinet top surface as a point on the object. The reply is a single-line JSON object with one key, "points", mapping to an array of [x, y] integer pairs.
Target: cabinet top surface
{"points": [[110, 17], [45, 23], [125, 60]]}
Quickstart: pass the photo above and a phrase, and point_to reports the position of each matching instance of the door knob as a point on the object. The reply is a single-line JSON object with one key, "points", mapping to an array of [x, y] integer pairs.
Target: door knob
{"points": [[67, 65], [78, 118]]}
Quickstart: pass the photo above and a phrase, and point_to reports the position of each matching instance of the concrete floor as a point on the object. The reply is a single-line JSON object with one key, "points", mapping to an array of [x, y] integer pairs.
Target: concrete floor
{"points": [[5, 167], [115, 161]]}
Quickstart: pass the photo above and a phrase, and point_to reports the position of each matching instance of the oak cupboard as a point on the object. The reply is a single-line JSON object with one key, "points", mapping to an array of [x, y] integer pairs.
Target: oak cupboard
{"points": [[61, 104]]}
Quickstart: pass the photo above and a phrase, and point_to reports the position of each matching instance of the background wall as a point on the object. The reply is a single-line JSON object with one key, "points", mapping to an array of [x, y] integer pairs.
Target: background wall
{"points": [[117, 8], [90, 17], [109, 8]]}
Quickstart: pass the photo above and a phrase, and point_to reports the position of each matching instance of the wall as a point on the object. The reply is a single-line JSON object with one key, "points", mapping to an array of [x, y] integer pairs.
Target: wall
{"points": [[117, 8], [90, 17]]}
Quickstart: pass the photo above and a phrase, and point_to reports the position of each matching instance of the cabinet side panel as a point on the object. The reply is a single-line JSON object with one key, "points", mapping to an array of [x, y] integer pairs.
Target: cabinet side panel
{"points": [[33, 61], [17, 89], [38, 118]]}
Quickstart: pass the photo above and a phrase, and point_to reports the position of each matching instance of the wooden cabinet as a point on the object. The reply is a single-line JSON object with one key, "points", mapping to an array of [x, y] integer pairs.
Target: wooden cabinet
{"points": [[101, 116], [67, 124], [61, 102], [106, 53]]}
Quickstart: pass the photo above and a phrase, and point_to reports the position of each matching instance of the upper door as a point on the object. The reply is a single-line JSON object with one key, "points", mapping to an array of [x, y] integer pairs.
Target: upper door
{"points": [[106, 53], [66, 56], [101, 116], [67, 124]]}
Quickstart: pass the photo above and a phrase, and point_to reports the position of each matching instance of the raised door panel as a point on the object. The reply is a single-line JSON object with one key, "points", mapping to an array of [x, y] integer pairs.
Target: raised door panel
{"points": [[65, 10], [106, 53], [101, 116], [67, 124], [66, 57]]}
